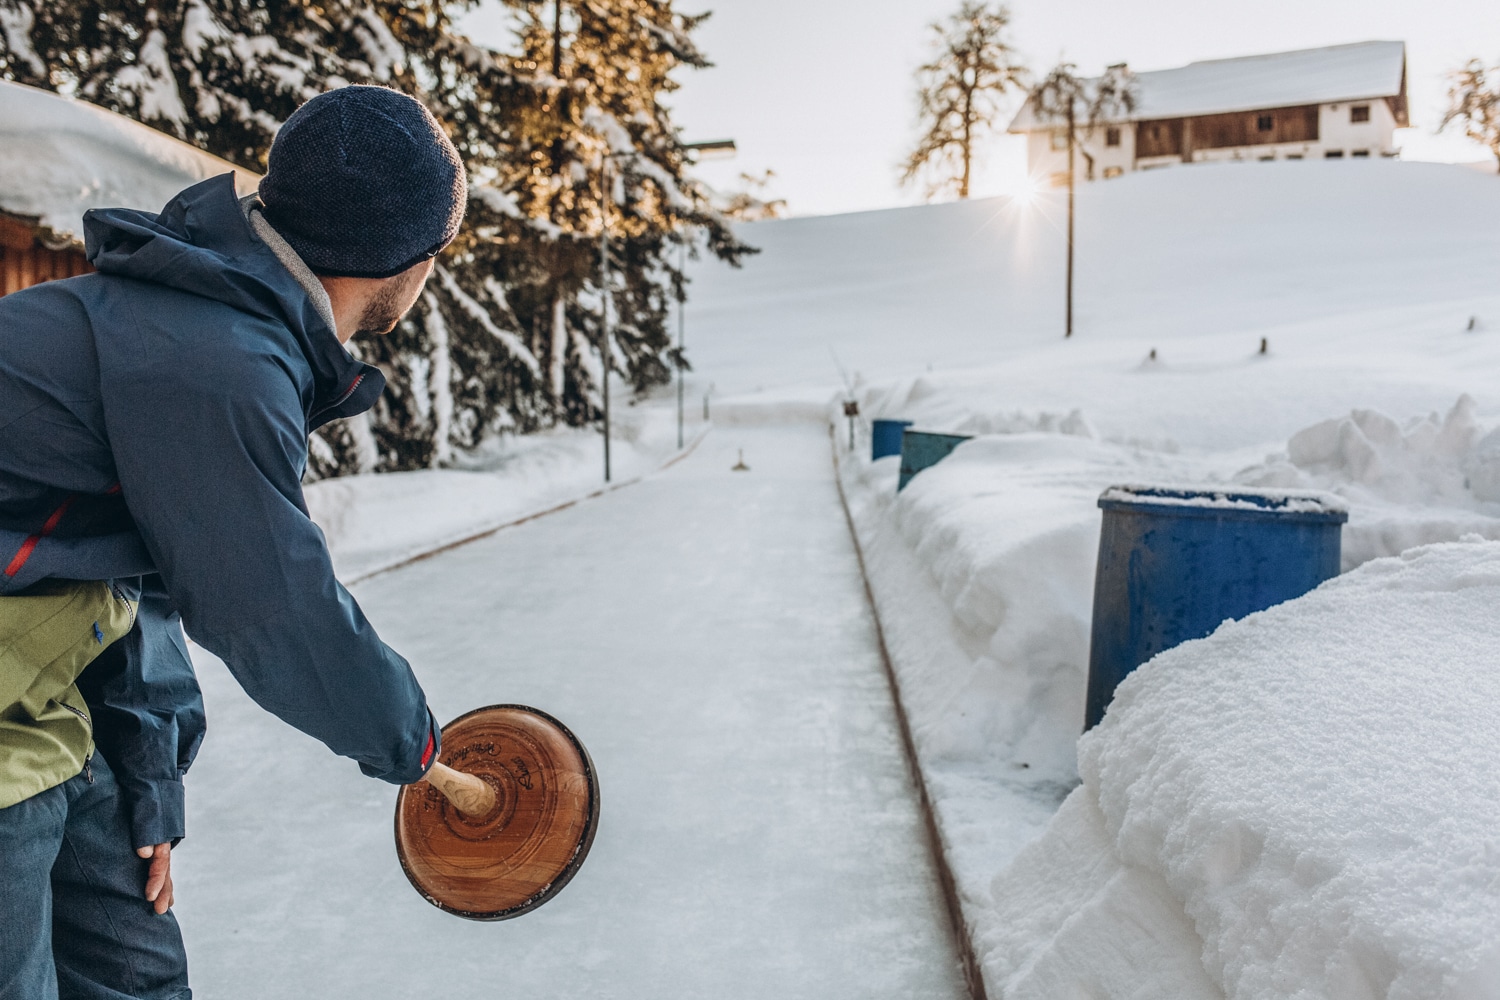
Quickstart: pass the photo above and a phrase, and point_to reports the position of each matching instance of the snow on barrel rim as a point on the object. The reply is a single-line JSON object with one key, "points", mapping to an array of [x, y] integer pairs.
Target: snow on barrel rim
{"points": [[1238, 501]]}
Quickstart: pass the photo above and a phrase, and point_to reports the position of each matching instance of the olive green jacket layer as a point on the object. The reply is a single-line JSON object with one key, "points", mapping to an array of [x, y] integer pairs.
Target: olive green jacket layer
{"points": [[48, 635]]}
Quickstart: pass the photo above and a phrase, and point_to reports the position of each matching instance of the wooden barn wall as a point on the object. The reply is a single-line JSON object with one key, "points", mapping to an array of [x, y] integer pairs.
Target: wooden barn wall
{"points": [[25, 262], [1180, 136]]}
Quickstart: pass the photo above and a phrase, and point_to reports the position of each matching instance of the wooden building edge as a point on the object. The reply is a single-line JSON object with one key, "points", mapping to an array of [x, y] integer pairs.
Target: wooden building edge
{"points": [[29, 257]]}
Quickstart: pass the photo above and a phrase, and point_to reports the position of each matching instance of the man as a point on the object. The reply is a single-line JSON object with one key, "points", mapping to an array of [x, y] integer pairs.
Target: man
{"points": [[153, 435]]}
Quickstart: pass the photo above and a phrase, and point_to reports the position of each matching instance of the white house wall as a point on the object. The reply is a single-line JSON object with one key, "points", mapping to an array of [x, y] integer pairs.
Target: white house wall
{"points": [[1337, 132], [1050, 166]]}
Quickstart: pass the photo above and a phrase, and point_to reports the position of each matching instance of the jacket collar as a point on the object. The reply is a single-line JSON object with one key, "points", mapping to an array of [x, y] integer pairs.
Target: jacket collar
{"points": [[203, 242]]}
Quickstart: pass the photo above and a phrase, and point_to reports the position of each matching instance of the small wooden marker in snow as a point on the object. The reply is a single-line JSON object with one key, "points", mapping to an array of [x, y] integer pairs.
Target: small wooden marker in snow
{"points": [[1265, 346], [740, 466], [1152, 356]]}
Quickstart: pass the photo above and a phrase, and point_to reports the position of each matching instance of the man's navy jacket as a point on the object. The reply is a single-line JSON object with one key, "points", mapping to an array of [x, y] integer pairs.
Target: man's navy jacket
{"points": [[153, 431]]}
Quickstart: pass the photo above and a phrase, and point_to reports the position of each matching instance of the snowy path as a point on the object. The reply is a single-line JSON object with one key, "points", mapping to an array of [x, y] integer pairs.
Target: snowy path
{"points": [[706, 635]]}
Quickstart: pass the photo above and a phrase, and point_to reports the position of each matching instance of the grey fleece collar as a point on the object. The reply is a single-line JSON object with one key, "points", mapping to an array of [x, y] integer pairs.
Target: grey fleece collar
{"points": [[251, 206]]}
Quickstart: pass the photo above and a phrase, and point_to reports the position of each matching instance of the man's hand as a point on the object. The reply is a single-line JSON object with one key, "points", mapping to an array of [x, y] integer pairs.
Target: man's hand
{"points": [[159, 878]]}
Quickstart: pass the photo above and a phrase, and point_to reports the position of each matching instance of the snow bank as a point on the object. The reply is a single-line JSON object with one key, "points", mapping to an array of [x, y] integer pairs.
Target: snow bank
{"points": [[376, 521], [1428, 479], [60, 157], [1304, 804]]}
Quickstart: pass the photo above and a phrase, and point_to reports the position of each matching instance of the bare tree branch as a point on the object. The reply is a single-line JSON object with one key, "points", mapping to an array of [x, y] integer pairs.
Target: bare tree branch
{"points": [[959, 95], [1475, 105]]}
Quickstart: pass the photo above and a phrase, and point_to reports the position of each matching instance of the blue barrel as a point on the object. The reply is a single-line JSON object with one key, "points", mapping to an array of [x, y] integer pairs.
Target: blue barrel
{"points": [[1174, 564], [922, 450], [885, 437]]}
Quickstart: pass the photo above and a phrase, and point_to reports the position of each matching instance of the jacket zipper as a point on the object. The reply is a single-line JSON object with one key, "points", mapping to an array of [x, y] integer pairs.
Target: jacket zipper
{"points": [[88, 762], [342, 398], [124, 600]]}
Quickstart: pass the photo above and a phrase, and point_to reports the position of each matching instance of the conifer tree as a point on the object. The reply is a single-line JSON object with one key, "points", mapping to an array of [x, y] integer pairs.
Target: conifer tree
{"points": [[503, 338], [959, 95]]}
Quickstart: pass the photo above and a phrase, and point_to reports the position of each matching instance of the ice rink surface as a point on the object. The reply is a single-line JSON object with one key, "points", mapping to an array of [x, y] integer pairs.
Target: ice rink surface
{"points": [[705, 633]]}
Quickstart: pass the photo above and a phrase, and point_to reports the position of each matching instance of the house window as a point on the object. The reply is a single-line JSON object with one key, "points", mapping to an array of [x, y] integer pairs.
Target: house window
{"points": [[1361, 154], [1060, 139], [1359, 113], [1112, 172], [1111, 136], [1294, 156], [1334, 154], [1265, 123]]}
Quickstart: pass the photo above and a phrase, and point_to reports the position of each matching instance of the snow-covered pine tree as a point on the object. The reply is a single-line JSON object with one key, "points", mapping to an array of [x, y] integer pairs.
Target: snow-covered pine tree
{"points": [[477, 357], [602, 68]]}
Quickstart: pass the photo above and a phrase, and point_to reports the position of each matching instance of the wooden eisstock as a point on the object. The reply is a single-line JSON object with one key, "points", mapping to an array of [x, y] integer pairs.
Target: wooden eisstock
{"points": [[469, 794], [504, 819]]}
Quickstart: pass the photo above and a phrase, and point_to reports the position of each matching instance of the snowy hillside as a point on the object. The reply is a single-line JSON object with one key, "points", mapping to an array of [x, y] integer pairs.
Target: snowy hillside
{"points": [[1325, 258], [1375, 287]]}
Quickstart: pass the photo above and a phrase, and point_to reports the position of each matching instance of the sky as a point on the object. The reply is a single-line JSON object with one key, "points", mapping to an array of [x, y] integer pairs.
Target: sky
{"points": [[822, 92]]}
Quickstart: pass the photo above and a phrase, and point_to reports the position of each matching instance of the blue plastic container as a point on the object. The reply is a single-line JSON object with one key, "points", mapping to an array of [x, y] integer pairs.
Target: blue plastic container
{"points": [[885, 437], [1174, 564], [922, 450]]}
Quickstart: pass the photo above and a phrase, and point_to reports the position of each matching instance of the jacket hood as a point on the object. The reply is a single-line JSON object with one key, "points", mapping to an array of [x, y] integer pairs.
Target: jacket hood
{"points": [[201, 243]]}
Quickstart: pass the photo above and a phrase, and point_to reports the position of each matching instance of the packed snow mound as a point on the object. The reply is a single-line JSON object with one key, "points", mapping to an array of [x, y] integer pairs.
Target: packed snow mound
{"points": [[60, 157], [1303, 804], [1430, 478]]}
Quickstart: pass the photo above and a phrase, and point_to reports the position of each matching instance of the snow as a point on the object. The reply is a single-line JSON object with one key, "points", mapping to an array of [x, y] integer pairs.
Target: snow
{"points": [[1299, 805], [16, 22], [706, 636], [373, 522], [1268, 501], [60, 157], [982, 569], [1378, 877], [1328, 75]]}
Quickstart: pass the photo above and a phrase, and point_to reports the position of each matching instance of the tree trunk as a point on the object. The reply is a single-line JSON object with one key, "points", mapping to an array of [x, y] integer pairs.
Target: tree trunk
{"points": [[963, 190], [556, 370]]}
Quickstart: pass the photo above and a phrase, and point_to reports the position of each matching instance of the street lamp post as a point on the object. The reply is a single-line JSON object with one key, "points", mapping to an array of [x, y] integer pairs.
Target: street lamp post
{"points": [[604, 346], [712, 149]]}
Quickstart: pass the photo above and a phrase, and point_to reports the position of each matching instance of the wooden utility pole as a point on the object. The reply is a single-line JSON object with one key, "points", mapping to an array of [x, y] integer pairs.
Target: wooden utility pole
{"points": [[1072, 144]]}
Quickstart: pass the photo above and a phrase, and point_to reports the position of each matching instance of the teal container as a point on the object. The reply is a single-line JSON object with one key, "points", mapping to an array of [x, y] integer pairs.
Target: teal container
{"points": [[922, 450]]}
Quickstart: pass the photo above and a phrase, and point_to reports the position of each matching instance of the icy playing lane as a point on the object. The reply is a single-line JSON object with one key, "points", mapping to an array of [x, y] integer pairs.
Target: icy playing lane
{"points": [[706, 635]]}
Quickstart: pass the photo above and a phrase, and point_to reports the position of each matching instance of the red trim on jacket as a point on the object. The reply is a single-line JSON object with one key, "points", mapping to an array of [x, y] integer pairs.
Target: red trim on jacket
{"points": [[29, 546], [427, 754]]}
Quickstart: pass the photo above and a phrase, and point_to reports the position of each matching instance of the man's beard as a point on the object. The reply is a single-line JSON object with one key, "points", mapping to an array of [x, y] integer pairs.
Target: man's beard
{"points": [[387, 307]]}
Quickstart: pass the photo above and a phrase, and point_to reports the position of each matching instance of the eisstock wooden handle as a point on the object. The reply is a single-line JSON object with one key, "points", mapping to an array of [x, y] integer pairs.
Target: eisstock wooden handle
{"points": [[469, 794]]}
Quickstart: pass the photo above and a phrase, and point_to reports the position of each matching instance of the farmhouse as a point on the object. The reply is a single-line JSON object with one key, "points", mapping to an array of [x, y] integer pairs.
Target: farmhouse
{"points": [[61, 157], [1343, 101]]}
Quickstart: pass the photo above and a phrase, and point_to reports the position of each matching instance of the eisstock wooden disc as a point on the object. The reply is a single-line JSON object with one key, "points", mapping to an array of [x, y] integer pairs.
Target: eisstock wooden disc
{"points": [[520, 853]]}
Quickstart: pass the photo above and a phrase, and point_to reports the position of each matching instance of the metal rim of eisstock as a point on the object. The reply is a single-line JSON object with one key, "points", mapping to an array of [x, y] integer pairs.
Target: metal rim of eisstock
{"points": [[580, 853]]}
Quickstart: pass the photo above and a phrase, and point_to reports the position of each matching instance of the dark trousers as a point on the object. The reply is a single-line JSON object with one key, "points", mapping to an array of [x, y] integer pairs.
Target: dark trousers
{"points": [[74, 923]]}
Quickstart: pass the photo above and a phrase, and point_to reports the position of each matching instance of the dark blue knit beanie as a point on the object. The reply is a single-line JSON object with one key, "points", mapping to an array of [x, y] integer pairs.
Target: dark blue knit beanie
{"points": [[364, 183]]}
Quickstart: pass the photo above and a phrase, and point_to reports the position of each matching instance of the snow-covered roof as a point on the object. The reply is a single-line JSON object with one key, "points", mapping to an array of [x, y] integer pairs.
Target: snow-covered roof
{"points": [[1337, 73], [60, 157]]}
